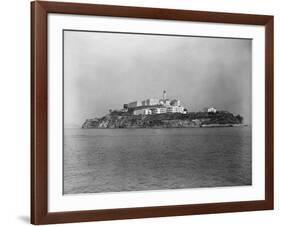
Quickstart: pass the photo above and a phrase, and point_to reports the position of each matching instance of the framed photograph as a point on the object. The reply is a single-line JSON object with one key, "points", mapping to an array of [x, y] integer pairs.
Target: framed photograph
{"points": [[148, 112]]}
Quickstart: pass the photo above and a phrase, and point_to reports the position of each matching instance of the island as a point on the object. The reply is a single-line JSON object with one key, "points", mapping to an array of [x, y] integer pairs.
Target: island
{"points": [[163, 113]]}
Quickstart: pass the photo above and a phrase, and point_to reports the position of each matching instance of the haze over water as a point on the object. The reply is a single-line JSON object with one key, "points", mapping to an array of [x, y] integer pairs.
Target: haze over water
{"points": [[115, 160]]}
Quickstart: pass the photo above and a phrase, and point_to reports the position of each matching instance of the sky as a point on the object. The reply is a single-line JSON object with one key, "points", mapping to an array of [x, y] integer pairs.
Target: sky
{"points": [[103, 71]]}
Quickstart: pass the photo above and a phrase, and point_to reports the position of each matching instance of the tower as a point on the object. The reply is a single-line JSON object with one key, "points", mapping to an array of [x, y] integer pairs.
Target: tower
{"points": [[164, 95]]}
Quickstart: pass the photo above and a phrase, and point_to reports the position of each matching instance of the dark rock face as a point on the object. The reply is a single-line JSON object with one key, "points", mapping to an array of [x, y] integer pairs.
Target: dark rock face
{"points": [[176, 120]]}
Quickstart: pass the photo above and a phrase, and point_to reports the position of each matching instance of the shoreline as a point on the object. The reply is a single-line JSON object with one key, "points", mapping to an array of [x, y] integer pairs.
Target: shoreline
{"points": [[174, 127]]}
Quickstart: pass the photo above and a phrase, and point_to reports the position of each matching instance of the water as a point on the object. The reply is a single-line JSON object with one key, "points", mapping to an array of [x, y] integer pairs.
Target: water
{"points": [[114, 160]]}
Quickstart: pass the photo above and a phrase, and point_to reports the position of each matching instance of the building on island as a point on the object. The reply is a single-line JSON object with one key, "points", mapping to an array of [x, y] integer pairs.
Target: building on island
{"points": [[165, 102], [144, 111], [175, 109], [159, 110], [212, 110], [156, 106]]}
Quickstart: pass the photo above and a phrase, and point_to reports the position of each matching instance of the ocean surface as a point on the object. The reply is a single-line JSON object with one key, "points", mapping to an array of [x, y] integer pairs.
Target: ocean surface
{"points": [[115, 160]]}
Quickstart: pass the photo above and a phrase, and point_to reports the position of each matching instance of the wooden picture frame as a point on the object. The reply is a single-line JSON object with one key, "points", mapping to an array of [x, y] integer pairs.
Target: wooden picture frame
{"points": [[39, 112]]}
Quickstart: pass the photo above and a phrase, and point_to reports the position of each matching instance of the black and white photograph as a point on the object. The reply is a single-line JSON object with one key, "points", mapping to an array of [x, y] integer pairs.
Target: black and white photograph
{"points": [[146, 112]]}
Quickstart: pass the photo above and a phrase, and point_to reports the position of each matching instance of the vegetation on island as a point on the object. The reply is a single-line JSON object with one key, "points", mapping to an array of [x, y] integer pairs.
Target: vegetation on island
{"points": [[118, 119]]}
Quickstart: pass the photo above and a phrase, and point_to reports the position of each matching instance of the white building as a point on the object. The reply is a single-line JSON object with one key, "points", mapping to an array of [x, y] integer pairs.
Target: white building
{"points": [[155, 106], [165, 102], [160, 110], [213, 110], [143, 112], [175, 109]]}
